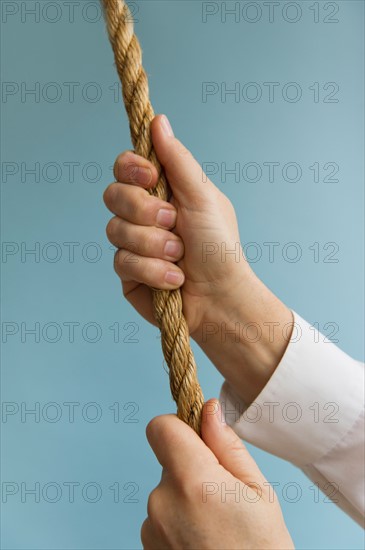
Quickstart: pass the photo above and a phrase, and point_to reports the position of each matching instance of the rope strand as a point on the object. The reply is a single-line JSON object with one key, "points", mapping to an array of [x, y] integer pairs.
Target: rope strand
{"points": [[168, 312]]}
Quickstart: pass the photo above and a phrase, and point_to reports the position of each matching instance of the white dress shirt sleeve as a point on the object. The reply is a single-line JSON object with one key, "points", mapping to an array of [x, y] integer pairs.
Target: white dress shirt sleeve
{"points": [[311, 413]]}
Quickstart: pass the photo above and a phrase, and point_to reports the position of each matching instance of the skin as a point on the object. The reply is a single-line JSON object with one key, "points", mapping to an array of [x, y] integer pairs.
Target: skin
{"points": [[185, 243], [193, 506], [220, 292]]}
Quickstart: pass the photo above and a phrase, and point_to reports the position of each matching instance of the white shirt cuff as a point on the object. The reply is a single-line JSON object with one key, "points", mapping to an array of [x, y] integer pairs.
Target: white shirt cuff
{"points": [[311, 402]]}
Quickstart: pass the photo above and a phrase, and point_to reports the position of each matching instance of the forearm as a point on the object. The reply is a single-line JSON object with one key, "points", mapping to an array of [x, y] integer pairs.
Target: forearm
{"points": [[246, 336]]}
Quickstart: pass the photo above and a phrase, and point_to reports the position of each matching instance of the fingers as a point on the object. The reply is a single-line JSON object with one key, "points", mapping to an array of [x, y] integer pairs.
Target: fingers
{"points": [[131, 168], [140, 227], [136, 206], [146, 241], [186, 177], [189, 183], [152, 272], [177, 447], [227, 446]]}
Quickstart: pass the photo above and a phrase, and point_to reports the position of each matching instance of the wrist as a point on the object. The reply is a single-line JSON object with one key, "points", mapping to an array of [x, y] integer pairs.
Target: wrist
{"points": [[245, 334]]}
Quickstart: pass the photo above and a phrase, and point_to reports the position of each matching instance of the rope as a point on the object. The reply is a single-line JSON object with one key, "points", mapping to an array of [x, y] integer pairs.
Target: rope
{"points": [[167, 305]]}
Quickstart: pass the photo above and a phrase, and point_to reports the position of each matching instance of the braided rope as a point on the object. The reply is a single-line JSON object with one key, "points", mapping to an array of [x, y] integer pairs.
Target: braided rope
{"points": [[175, 340]]}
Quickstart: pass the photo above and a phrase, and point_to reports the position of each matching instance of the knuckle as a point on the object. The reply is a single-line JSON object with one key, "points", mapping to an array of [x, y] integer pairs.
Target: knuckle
{"points": [[131, 255], [153, 427], [118, 260], [145, 531], [156, 509], [126, 256], [112, 228], [110, 194], [188, 487], [184, 487], [157, 431], [153, 503]]}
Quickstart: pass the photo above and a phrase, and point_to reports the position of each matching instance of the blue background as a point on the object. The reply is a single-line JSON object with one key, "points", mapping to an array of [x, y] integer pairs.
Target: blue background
{"points": [[180, 53]]}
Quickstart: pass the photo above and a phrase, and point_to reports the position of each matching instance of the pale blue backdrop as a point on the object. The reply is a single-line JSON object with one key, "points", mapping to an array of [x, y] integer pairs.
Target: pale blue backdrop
{"points": [[77, 471]]}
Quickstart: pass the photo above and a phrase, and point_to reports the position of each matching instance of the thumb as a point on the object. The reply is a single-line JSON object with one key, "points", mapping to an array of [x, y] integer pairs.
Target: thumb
{"points": [[227, 446], [187, 180]]}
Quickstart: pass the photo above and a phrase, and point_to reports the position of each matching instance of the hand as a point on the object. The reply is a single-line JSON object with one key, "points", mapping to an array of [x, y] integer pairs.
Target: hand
{"points": [[188, 243], [211, 494], [178, 246]]}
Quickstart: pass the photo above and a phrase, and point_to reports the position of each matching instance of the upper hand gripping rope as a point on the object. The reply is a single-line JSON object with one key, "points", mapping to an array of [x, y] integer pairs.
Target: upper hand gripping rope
{"points": [[175, 340]]}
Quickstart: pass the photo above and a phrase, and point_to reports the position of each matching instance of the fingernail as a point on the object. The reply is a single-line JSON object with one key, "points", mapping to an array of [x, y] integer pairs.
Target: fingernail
{"points": [[175, 278], [173, 249], [166, 218], [143, 176], [166, 126]]}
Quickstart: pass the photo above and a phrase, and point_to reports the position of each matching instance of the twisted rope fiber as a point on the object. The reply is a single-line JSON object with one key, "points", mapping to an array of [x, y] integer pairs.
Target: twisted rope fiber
{"points": [[167, 305]]}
